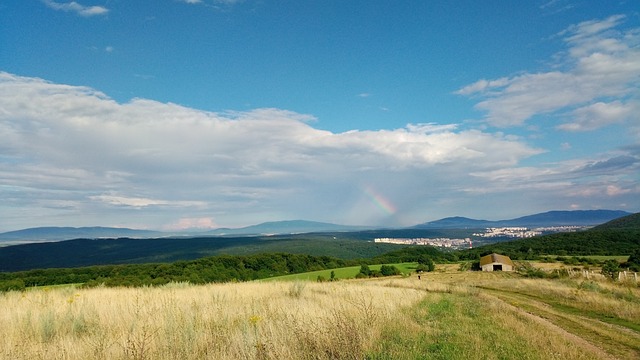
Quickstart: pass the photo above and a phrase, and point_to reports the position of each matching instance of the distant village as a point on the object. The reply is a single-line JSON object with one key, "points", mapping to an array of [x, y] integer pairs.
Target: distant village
{"points": [[437, 242], [524, 232], [466, 243]]}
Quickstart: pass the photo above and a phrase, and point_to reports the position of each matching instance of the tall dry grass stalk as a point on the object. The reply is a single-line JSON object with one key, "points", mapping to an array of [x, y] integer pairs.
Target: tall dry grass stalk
{"points": [[254, 320]]}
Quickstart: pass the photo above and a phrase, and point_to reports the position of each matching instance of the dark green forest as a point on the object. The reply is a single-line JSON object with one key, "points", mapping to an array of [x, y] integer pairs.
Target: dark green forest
{"points": [[127, 262], [223, 268], [582, 243]]}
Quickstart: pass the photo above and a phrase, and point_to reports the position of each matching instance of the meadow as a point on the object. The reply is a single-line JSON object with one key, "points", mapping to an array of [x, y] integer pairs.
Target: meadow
{"points": [[448, 314]]}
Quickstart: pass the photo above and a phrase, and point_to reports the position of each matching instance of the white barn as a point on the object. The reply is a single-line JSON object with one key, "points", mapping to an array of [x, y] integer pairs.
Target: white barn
{"points": [[496, 262]]}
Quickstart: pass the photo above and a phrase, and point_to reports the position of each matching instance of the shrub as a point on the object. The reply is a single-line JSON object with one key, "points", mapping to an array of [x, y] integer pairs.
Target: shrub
{"points": [[365, 270], [589, 285], [528, 270], [610, 269], [633, 263], [295, 290], [12, 285], [389, 270], [427, 263]]}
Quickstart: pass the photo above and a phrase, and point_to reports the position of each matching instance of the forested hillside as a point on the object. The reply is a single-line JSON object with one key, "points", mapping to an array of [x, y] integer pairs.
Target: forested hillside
{"points": [[624, 223], [617, 237], [211, 269]]}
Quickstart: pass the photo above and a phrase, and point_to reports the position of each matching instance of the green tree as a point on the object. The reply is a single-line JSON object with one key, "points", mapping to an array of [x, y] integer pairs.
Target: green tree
{"points": [[610, 269], [389, 270], [12, 285], [633, 263], [425, 264], [365, 270]]}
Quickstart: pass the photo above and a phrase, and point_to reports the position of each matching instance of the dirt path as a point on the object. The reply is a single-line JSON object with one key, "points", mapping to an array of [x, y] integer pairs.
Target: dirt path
{"points": [[604, 340]]}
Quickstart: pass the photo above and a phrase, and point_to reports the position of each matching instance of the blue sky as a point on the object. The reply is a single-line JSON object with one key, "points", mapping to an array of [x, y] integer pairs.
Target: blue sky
{"points": [[180, 114]]}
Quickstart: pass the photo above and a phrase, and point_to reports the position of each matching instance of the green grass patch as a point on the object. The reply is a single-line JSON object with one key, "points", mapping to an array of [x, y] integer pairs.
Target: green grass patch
{"points": [[340, 273], [619, 258], [453, 326]]}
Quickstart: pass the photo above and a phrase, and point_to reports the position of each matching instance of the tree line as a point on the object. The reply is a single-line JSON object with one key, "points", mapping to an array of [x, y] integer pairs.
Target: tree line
{"points": [[222, 268], [225, 268]]}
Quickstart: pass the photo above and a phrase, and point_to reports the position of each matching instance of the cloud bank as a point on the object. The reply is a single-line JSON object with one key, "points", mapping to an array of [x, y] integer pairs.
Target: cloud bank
{"points": [[71, 150], [75, 146]]}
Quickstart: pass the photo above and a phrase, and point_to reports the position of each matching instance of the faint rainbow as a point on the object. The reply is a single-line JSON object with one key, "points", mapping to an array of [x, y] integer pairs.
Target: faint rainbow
{"points": [[379, 200]]}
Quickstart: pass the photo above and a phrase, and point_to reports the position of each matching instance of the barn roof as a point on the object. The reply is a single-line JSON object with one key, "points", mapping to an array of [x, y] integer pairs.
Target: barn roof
{"points": [[495, 258]]}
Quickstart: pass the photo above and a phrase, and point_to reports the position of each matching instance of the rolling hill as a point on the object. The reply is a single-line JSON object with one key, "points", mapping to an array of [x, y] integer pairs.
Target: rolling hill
{"points": [[616, 237], [41, 234], [550, 218], [67, 233], [285, 227], [627, 222]]}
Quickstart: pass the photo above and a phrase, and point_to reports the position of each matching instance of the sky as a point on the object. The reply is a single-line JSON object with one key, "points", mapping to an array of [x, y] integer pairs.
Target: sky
{"points": [[199, 114]]}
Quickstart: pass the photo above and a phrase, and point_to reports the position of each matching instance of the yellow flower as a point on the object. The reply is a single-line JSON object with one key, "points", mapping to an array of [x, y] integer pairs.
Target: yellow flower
{"points": [[255, 319]]}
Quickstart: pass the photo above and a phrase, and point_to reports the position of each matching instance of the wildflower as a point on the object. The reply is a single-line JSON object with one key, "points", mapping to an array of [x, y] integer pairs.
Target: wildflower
{"points": [[255, 319]]}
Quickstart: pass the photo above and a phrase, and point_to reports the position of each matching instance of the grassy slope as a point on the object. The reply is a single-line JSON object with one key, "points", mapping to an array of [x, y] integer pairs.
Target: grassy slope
{"points": [[446, 315], [341, 273]]}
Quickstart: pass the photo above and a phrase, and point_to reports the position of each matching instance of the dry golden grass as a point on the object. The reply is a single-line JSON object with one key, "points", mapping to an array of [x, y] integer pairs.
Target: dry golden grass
{"points": [[444, 315], [227, 321]]}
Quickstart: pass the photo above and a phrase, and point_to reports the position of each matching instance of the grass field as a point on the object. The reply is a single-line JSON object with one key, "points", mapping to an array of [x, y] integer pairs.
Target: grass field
{"points": [[447, 314], [341, 273]]}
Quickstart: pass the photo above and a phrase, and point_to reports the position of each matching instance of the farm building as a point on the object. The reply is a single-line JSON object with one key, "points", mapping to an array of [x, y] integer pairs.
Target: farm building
{"points": [[496, 262]]}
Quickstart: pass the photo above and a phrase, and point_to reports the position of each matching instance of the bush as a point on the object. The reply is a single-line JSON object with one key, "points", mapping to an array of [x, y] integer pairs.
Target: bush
{"points": [[589, 286], [389, 270], [528, 270], [295, 290], [425, 264], [633, 263], [365, 270], [558, 273], [12, 285], [610, 269]]}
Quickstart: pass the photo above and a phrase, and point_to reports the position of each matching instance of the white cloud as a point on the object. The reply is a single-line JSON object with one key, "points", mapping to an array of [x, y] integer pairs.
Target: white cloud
{"points": [[601, 65], [482, 85], [77, 8], [214, 2], [588, 180], [203, 223], [600, 114], [139, 202], [75, 143]]}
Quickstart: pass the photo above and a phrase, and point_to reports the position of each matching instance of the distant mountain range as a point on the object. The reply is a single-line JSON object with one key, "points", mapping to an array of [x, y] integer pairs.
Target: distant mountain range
{"points": [[285, 227], [546, 219], [68, 233], [551, 218], [65, 233]]}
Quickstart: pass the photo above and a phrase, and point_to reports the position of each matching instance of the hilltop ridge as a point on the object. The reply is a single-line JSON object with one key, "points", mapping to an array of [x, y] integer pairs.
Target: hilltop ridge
{"points": [[549, 218]]}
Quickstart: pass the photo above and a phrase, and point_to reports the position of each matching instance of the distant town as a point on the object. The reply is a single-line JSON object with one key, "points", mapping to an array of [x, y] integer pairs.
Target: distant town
{"points": [[437, 242], [494, 232], [524, 232]]}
